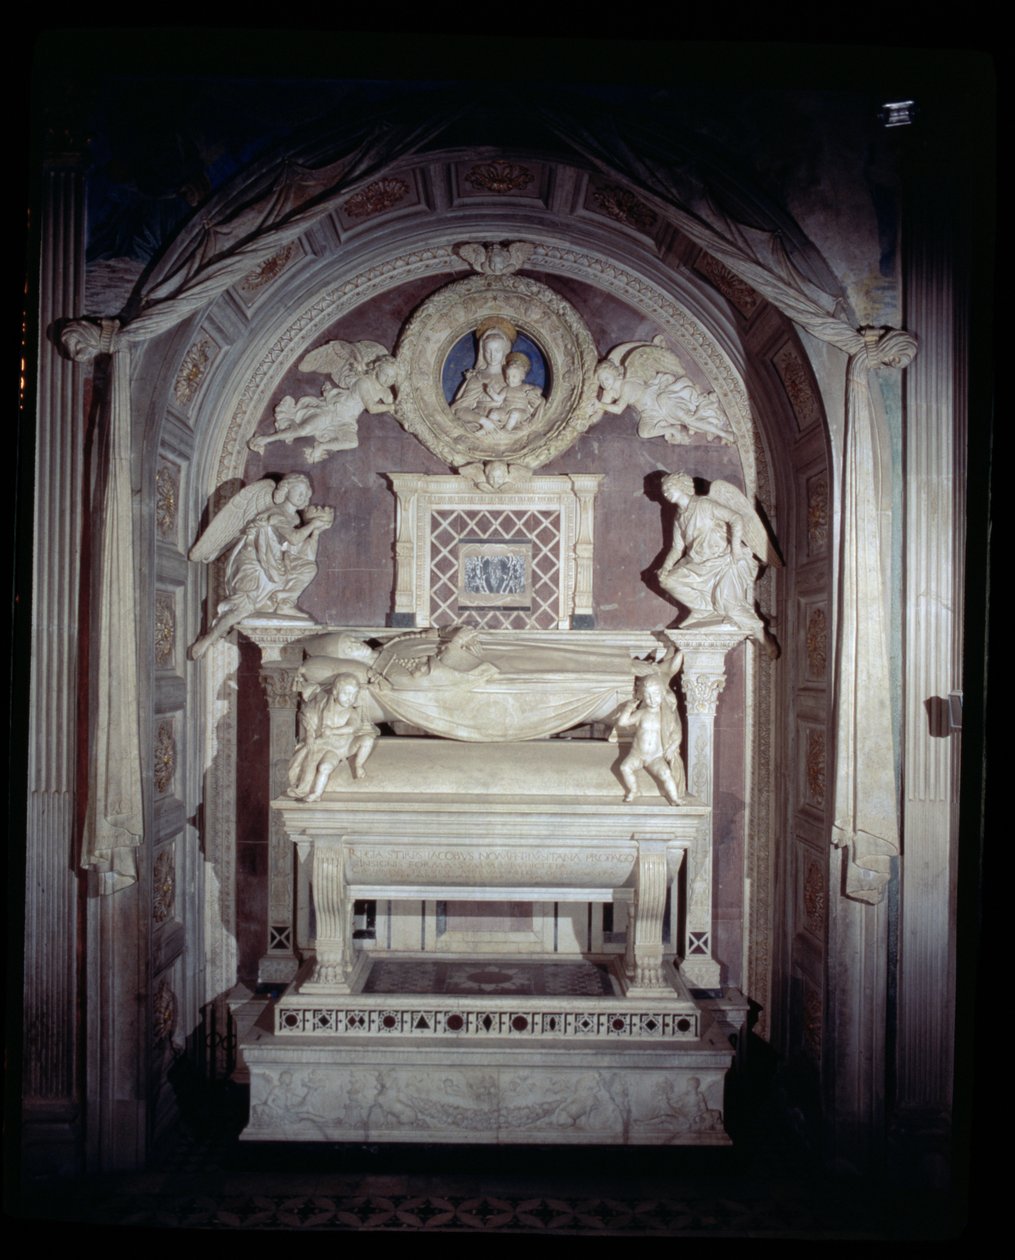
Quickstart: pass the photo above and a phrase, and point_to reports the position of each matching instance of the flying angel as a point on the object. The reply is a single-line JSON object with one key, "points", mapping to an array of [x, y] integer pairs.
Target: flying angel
{"points": [[652, 381], [362, 373]]}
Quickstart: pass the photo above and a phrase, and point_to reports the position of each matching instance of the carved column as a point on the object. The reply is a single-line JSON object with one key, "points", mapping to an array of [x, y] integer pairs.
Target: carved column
{"points": [[51, 1011], [702, 678], [935, 450], [405, 541], [585, 489], [279, 962], [280, 660]]}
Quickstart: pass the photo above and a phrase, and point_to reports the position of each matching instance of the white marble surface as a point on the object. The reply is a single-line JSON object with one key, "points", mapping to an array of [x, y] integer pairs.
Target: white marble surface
{"points": [[665, 1094]]}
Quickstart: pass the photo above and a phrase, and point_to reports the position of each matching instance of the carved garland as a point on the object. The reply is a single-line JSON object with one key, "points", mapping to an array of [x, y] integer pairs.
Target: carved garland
{"points": [[455, 312]]}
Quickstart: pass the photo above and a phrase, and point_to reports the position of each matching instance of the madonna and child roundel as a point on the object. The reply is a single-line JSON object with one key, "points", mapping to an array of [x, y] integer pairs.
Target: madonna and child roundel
{"points": [[496, 367]]}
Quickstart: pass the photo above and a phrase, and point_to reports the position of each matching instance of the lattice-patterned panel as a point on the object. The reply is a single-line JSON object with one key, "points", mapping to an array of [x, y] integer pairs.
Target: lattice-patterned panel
{"points": [[539, 528]]}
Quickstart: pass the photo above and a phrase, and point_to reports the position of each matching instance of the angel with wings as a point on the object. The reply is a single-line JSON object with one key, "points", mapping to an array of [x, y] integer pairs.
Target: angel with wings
{"points": [[274, 554], [362, 375], [651, 380], [711, 567]]}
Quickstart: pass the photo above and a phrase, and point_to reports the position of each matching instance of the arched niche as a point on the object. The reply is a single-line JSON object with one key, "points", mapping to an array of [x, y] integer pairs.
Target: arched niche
{"points": [[207, 385]]}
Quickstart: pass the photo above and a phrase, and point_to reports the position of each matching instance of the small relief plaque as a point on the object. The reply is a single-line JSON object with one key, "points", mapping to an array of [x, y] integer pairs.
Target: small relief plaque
{"points": [[495, 575]]}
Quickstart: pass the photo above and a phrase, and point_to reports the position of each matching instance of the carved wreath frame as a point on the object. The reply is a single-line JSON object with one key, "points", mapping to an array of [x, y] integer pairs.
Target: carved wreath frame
{"points": [[454, 312]]}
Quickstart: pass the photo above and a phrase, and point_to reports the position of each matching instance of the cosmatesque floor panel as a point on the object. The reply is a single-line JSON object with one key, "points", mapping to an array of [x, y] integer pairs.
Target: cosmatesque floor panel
{"points": [[476, 978]]}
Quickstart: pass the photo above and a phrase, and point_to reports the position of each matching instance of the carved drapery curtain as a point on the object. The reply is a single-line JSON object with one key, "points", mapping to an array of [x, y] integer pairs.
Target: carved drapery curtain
{"points": [[865, 810], [252, 226], [261, 219]]}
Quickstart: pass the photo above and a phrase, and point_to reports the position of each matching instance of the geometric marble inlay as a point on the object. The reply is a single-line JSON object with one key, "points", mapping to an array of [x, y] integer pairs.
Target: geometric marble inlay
{"points": [[525, 529], [351, 1017], [577, 979]]}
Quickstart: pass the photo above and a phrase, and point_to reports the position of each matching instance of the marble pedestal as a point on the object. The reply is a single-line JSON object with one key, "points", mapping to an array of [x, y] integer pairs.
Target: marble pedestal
{"points": [[638, 1064], [494, 1091], [539, 821]]}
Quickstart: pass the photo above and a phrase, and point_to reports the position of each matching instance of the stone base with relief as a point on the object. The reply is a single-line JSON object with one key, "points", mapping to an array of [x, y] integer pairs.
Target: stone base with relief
{"points": [[640, 1062], [501, 1092]]}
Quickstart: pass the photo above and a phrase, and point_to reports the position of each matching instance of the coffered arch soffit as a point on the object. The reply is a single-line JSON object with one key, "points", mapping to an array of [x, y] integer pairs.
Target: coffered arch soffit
{"points": [[254, 332]]}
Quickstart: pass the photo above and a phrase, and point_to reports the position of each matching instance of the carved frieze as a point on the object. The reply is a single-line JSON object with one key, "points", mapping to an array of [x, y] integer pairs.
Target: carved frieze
{"points": [[816, 643], [817, 514], [624, 207], [812, 1022], [192, 370], [814, 899], [729, 284], [165, 756], [267, 270], [796, 381], [814, 767], [375, 198], [163, 1012], [167, 499], [163, 886], [499, 176], [164, 636], [540, 1104]]}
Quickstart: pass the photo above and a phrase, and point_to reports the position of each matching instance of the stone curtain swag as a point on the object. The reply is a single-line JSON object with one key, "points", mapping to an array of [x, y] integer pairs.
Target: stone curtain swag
{"points": [[242, 229]]}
